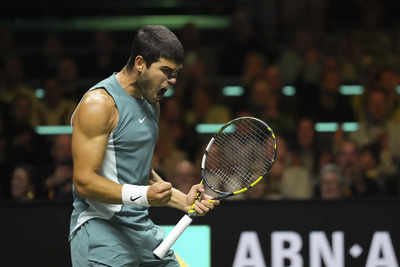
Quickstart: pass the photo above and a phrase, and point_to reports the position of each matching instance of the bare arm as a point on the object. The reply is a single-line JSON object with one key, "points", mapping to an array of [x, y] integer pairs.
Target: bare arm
{"points": [[183, 202], [93, 121]]}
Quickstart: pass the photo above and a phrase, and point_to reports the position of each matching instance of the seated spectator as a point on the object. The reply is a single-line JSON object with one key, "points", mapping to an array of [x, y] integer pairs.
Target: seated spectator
{"points": [[22, 186], [185, 176], [103, 57], [205, 108], [68, 77], [296, 183], [59, 183], [167, 154], [331, 106], [55, 109], [254, 64], [330, 184], [305, 148], [15, 92], [273, 113]]}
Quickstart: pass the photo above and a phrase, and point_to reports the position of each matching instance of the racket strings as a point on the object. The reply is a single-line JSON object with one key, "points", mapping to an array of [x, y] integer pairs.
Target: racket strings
{"points": [[236, 159]]}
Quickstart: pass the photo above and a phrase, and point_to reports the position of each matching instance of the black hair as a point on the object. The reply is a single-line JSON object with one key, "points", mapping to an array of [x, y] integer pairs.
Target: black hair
{"points": [[153, 42]]}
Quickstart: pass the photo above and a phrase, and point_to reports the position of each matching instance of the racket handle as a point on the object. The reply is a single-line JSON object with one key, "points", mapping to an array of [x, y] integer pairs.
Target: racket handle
{"points": [[167, 243]]}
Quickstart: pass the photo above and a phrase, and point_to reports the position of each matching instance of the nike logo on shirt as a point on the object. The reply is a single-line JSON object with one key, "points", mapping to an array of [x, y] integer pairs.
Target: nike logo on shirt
{"points": [[142, 120]]}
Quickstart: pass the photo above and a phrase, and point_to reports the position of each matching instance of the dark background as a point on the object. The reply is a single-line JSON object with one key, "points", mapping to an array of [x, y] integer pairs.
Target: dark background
{"points": [[36, 234]]}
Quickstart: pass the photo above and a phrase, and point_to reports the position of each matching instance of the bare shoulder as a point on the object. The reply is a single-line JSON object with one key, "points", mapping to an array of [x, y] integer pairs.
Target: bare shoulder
{"points": [[96, 112]]}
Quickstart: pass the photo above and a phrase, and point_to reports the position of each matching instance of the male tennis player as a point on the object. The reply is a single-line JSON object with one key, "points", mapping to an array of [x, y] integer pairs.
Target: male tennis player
{"points": [[115, 129]]}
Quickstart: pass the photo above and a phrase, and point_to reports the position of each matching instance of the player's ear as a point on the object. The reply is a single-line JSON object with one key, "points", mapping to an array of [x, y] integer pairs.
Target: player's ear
{"points": [[140, 64]]}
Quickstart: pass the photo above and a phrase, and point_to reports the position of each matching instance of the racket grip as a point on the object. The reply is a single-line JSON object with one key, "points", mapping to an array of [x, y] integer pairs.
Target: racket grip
{"points": [[167, 243]]}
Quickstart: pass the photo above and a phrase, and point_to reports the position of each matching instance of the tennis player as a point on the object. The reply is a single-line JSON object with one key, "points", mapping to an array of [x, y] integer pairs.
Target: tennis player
{"points": [[115, 129]]}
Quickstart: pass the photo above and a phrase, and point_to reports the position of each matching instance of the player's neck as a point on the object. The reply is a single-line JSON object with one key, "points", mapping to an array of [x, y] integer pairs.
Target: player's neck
{"points": [[127, 80]]}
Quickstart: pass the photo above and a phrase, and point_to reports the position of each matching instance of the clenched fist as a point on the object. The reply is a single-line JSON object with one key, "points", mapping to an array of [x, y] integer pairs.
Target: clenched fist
{"points": [[159, 193]]}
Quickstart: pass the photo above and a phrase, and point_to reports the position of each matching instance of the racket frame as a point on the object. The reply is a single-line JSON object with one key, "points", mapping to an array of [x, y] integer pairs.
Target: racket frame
{"points": [[222, 194], [186, 220]]}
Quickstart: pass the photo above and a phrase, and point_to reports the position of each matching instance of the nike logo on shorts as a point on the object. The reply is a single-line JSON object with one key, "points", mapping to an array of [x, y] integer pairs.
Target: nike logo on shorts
{"points": [[142, 120]]}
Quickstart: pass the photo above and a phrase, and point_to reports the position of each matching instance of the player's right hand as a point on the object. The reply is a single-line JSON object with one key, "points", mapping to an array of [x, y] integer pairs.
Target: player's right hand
{"points": [[159, 193]]}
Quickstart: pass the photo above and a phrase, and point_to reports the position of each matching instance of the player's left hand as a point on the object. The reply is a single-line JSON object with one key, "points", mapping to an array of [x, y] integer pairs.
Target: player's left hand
{"points": [[202, 206]]}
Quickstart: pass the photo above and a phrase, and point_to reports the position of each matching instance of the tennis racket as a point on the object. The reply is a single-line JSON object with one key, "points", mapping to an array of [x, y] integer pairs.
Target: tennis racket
{"points": [[236, 158]]}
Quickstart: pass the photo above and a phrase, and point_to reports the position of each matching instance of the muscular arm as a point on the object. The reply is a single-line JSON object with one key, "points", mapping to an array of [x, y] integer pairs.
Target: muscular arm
{"points": [[93, 121]]}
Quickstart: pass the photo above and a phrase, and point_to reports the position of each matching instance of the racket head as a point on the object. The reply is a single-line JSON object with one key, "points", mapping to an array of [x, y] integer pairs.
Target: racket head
{"points": [[238, 156]]}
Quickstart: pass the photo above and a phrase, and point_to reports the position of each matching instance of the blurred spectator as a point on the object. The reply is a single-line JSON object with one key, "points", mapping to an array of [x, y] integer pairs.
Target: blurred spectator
{"points": [[185, 176], [14, 84], [25, 145], [291, 60], [258, 96], [205, 108], [59, 183], [272, 187], [306, 148], [22, 186], [313, 67], [68, 77], [56, 177], [103, 57], [55, 109], [184, 136], [330, 184], [240, 40], [347, 154], [284, 154], [332, 106], [296, 183], [281, 122], [61, 149], [254, 64], [41, 65], [388, 81], [167, 154], [355, 166], [196, 50], [377, 126]]}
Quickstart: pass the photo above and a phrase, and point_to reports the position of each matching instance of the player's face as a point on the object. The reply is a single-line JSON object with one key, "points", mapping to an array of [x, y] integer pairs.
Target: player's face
{"points": [[157, 79]]}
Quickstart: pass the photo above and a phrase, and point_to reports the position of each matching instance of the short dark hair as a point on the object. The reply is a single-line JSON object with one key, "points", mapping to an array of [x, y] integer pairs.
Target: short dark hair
{"points": [[153, 42]]}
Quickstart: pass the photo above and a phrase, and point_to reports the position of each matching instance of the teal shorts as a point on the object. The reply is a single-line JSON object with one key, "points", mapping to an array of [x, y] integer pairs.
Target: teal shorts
{"points": [[103, 243]]}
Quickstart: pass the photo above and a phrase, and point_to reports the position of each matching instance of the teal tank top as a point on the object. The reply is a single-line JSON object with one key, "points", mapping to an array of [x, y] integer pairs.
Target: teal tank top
{"points": [[128, 158]]}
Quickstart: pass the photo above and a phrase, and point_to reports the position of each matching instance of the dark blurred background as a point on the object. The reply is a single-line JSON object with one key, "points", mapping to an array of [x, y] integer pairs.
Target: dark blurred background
{"points": [[324, 74]]}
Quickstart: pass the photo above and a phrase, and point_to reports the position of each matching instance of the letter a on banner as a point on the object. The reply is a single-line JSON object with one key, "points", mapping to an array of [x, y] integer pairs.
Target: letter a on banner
{"points": [[381, 252], [248, 252]]}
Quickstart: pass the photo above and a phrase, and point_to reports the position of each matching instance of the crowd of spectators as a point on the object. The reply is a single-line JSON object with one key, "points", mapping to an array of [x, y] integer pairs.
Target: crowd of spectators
{"points": [[363, 163]]}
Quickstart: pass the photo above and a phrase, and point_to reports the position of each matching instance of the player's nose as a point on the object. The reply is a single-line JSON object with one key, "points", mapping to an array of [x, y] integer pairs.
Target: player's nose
{"points": [[172, 82]]}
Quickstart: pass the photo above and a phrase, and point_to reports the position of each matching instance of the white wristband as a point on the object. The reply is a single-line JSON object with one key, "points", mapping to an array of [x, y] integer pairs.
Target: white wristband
{"points": [[135, 195]]}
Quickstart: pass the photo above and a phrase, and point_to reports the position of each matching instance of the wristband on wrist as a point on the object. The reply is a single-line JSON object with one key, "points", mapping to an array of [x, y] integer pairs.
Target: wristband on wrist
{"points": [[135, 195]]}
